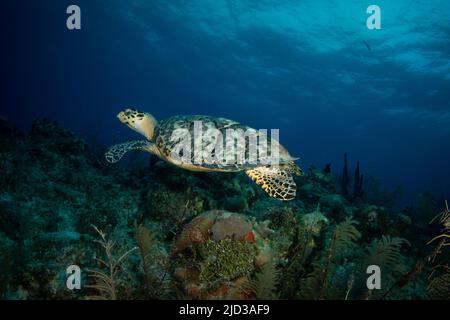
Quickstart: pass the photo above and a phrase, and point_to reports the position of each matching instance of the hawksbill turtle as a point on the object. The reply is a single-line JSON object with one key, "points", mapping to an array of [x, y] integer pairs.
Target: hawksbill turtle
{"points": [[163, 138]]}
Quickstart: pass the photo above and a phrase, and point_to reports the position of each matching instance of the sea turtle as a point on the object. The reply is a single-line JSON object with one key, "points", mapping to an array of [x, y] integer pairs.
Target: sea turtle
{"points": [[163, 140]]}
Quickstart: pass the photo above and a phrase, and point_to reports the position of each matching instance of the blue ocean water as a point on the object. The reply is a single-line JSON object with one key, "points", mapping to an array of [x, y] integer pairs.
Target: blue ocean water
{"points": [[310, 68]]}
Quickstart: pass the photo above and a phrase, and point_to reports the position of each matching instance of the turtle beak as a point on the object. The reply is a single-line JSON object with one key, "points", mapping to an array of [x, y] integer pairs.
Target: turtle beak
{"points": [[121, 116]]}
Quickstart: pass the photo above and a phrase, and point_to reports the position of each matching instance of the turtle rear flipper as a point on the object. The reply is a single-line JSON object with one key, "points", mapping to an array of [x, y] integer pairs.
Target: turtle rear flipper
{"points": [[276, 182], [117, 151]]}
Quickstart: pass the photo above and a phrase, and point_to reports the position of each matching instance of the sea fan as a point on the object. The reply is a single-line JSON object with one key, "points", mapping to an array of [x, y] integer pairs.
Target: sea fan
{"points": [[385, 253], [263, 286], [444, 236], [345, 236]]}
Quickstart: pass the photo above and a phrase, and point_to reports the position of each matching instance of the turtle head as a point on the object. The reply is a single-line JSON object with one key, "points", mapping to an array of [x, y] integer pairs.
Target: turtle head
{"points": [[139, 121]]}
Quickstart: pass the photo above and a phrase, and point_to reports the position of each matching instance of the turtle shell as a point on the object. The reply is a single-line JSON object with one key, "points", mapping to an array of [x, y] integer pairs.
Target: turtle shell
{"points": [[195, 138]]}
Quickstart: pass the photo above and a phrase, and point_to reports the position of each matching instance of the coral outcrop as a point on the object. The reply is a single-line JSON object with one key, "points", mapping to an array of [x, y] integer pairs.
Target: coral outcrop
{"points": [[217, 250]]}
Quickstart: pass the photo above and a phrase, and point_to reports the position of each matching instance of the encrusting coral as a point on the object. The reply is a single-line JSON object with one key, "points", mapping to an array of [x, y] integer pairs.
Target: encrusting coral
{"points": [[226, 259]]}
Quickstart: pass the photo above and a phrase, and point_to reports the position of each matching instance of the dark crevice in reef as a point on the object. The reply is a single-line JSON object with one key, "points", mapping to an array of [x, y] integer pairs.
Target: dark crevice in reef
{"points": [[53, 190]]}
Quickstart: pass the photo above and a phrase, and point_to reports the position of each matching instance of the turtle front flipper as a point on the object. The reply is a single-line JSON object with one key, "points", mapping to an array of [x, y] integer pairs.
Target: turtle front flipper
{"points": [[117, 151], [276, 182]]}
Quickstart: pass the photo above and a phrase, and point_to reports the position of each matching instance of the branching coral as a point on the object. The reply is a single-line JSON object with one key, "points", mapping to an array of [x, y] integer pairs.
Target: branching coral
{"points": [[444, 236], [106, 280], [439, 286]]}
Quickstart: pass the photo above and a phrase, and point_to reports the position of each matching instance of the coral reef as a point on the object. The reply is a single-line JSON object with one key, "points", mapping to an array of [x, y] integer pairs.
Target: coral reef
{"points": [[164, 233]]}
